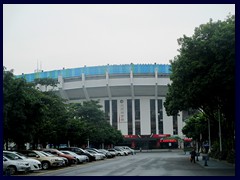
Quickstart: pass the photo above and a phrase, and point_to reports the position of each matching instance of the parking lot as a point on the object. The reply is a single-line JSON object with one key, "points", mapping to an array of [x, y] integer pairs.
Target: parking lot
{"points": [[152, 163]]}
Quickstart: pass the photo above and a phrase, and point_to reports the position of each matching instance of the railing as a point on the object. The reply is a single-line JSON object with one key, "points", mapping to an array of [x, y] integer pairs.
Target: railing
{"points": [[100, 70]]}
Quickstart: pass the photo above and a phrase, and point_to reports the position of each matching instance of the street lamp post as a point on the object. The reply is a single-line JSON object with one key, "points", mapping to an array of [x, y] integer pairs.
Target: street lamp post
{"points": [[209, 135], [220, 136], [88, 142]]}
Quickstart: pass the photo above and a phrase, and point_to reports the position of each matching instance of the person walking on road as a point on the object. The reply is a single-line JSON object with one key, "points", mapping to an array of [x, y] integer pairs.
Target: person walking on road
{"points": [[193, 155]]}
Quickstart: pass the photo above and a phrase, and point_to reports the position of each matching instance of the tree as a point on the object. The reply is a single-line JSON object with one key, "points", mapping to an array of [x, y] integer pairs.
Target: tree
{"points": [[203, 74], [46, 82], [96, 128], [22, 109], [31, 115], [44, 117], [197, 128]]}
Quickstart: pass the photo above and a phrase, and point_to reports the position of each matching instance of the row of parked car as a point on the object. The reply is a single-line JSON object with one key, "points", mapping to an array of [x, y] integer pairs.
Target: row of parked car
{"points": [[34, 160]]}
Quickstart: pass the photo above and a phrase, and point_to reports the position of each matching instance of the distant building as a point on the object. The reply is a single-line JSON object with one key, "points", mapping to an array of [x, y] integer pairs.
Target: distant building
{"points": [[131, 95]]}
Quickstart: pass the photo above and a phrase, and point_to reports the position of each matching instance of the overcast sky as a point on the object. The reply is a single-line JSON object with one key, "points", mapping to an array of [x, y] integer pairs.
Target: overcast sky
{"points": [[70, 36]]}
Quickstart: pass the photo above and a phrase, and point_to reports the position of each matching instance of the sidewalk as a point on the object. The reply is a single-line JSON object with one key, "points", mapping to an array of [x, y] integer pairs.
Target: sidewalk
{"points": [[214, 163], [211, 163]]}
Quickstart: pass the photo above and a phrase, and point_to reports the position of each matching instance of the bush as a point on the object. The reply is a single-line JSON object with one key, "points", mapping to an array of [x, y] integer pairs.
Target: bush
{"points": [[231, 156]]}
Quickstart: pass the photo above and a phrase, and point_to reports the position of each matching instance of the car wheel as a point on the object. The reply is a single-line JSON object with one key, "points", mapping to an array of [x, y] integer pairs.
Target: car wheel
{"points": [[45, 165], [73, 161], [12, 170]]}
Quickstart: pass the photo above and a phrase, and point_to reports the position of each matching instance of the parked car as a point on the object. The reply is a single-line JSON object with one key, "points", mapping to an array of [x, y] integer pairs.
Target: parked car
{"points": [[11, 165], [71, 159], [121, 149], [130, 150], [46, 161], [79, 151], [51, 155], [98, 156], [35, 165], [80, 158], [113, 153], [107, 153], [97, 151], [118, 152]]}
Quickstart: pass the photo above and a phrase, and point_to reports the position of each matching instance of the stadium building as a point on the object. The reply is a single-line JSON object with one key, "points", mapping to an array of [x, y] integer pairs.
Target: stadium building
{"points": [[131, 95]]}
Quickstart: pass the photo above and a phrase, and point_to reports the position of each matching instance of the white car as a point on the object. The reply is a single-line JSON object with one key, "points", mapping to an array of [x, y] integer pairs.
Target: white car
{"points": [[123, 150], [113, 153], [130, 150], [80, 158], [35, 165], [11, 166], [117, 152], [98, 156]]}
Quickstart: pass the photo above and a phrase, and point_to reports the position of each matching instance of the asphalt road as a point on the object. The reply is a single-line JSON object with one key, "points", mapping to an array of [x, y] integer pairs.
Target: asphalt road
{"points": [[163, 163]]}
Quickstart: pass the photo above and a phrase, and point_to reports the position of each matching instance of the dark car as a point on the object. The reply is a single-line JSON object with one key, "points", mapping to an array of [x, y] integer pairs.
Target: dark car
{"points": [[107, 153], [79, 151]]}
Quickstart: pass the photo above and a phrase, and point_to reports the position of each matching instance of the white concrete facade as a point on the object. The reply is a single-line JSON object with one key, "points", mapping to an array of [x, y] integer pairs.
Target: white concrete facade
{"points": [[124, 89]]}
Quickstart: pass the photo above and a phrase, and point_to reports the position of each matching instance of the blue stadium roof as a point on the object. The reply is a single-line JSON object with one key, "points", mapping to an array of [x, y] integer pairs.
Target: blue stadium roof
{"points": [[99, 70]]}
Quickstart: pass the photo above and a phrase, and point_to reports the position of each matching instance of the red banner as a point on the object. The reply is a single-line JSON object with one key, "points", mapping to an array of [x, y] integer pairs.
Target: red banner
{"points": [[168, 140], [187, 139], [131, 136], [160, 135]]}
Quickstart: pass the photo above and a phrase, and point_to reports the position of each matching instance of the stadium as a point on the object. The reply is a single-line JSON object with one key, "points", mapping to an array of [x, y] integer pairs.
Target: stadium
{"points": [[131, 95]]}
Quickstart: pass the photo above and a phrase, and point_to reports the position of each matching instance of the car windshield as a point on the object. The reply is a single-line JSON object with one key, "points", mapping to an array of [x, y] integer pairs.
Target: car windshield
{"points": [[22, 155], [85, 151], [40, 154], [65, 152], [11, 156], [58, 152], [73, 153], [47, 154], [93, 152]]}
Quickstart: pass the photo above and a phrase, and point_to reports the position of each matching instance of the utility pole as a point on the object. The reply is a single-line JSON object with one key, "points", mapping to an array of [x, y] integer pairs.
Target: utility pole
{"points": [[209, 135], [220, 134], [7, 130], [88, 142]]}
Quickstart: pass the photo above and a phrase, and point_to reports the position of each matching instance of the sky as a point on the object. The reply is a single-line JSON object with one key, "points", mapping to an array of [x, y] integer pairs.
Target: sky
{"points": [[51, 37]]}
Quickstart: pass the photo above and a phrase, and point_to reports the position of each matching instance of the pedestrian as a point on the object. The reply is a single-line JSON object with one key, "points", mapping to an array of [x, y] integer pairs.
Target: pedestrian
{"points": [[206, 147], [193, 155]]}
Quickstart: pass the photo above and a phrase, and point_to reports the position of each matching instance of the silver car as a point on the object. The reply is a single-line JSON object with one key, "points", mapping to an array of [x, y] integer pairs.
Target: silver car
{"points": [[35, 165], [11, 166], [98, 156], [80, 158]]}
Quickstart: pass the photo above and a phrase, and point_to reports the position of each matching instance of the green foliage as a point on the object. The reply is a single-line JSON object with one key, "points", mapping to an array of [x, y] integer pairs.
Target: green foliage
{"points": [[46, 82], [231, 156], [205, 66], [90, 110], [43, 117], [53, 124], [196, 125], [228, 151], [18, 98], [96, 129], [203, 75]]}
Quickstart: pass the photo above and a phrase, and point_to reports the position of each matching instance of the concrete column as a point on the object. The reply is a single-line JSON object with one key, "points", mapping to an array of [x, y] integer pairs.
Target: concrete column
{"points": [[133, 117], [156, 117], [84, 88], [110, 110], [156, 100]]}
